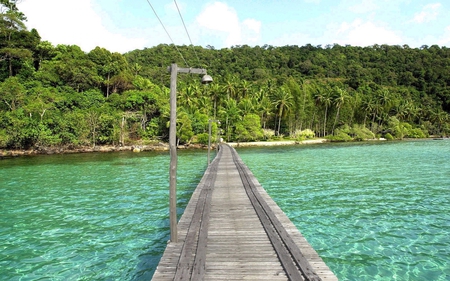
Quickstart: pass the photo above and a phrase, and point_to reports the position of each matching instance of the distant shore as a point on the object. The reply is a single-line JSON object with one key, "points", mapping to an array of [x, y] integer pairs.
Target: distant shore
{"points": [[138, 148], [82, 149], [275, 143]]}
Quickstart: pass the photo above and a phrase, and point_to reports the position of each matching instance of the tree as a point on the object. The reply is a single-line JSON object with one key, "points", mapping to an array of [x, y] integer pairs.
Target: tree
{"points": [[231, 114], [298, 102], [73, 67], [41, 99], [15, 41], [12, 93], [323, 99], [283, 102], [184, 128], [249, 128], [93, 120], [109, 65], [246, 106], [340, 97]]}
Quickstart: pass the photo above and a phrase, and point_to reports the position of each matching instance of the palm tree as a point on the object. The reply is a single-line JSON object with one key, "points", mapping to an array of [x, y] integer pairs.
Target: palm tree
{"points": [[203, 105], [384, 101], [215, 93], [230, 87], [244, 89], [323, 99], [246, 106], [283, 102], [188, 97], [368, 106], [265, 107], [230, 112], [439, 117], [341, 96]]}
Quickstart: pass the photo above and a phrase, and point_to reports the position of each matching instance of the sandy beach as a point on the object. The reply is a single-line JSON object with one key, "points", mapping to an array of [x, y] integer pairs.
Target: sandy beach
{"points": [[275, 143]]}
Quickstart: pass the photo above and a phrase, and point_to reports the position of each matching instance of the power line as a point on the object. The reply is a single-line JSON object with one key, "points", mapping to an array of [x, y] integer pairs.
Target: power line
{"points": [[167, 32], [185, 28]]}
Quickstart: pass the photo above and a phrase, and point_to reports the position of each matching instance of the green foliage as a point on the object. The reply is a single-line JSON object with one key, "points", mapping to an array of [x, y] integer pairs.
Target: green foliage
{"points": [[249, 129], [304, 134], [46, 137], [268, 134], [398, 128], [417, 133], [4, 139], [12, 93], [360, 133], [340, 136], [388, 136], [184, 128], [60, 95], [203, 138]]}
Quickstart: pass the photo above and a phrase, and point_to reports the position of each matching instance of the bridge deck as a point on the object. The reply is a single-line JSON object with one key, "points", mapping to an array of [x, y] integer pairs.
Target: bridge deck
{"points": [[225, 234]]}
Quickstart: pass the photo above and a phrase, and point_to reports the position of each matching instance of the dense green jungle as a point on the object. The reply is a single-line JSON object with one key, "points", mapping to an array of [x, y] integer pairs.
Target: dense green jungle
{"points": [[61, 96]]}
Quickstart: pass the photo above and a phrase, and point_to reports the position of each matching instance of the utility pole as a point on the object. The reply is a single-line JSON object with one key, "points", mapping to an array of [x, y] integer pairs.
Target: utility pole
{"points": [[209, 138], [206, 79]]}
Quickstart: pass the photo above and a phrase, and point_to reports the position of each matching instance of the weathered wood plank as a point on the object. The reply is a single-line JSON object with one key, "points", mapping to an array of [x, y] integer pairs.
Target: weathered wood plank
{"points": [[227, 240]]}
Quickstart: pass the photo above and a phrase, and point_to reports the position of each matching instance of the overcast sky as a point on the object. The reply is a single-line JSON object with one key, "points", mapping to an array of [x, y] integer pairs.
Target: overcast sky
{"points": [[125, 25]]}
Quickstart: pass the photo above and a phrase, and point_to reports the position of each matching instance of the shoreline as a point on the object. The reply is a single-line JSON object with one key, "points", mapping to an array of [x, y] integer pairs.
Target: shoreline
{"points": [[160, 146], [138, 148], [276, 143], [82, 149]]}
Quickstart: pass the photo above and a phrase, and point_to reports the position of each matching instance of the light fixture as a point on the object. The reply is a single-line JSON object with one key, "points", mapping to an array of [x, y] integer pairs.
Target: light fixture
{"points": [[206, 79]]}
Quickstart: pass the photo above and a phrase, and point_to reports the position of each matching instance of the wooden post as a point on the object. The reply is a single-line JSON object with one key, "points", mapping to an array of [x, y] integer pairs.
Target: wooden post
{"points": [[174, 69], [217, 137], [209, 141], [173, 154]]}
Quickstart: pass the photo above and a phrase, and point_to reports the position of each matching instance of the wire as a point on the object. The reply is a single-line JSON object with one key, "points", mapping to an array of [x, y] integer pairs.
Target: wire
{"points": [[167, 33], [185, 28]]}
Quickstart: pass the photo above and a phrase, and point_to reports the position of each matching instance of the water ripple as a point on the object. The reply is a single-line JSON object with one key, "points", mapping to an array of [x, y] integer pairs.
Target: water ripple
{"points": [[88, 216], [372, 211]]}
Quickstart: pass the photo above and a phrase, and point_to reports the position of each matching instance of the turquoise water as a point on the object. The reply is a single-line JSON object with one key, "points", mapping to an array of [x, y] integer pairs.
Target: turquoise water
{"points": [[89, 216], [373, 211]]}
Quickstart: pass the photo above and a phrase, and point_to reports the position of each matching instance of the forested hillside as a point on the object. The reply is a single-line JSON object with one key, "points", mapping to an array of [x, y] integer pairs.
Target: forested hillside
{"points": [[62, 96]]}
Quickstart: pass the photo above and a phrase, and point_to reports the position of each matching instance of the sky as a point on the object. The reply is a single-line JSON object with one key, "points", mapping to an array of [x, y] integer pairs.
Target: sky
{"points": [[125, 25]]}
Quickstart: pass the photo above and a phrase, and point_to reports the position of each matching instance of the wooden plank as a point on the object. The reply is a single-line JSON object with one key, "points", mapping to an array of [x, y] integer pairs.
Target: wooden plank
{"points": [[229, 241]]}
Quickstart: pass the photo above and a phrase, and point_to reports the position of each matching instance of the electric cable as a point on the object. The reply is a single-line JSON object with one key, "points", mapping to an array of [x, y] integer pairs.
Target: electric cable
{"points": [[187, 32], [156, 14]]}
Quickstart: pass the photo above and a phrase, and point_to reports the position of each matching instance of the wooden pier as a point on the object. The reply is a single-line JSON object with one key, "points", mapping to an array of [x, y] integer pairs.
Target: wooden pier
{"points": [[232, 230]]}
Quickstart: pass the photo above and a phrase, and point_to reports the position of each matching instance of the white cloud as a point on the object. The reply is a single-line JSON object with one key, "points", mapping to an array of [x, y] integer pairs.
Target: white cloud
{"points": [[428, 13], [74, 22], [445, 39], [360, 33], [251, 30], [220, 20]]}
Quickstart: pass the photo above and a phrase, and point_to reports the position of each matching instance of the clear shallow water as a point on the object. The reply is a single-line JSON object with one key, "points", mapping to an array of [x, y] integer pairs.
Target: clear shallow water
{"points": [[89, 216], [373, 211]]}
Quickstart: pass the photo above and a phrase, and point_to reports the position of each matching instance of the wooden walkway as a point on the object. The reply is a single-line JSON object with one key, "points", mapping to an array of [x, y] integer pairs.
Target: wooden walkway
{"points": [[232, 230]]}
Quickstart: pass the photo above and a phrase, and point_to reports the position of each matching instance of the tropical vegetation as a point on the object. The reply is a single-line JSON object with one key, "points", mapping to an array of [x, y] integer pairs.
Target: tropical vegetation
{"points": [[63, 96]]}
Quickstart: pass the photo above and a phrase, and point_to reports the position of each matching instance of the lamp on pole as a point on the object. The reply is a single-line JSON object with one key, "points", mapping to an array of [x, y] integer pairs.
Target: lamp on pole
{"points": [[217, 137], [209, 138], [206, 79]]}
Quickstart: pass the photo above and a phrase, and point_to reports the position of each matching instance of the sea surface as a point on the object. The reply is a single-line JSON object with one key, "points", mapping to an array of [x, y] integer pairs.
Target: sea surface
{"points": [[372, 210]]}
